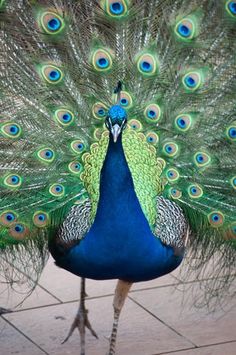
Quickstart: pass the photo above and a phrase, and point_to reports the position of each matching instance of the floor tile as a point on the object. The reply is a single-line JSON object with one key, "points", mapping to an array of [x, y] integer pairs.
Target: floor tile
{"points": [[139, 332], [221, 349], [175, 309], [12, 342], [18, 297]]}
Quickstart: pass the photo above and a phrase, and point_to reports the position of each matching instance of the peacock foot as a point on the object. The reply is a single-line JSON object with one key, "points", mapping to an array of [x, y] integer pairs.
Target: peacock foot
{"points": [[81, 321]]}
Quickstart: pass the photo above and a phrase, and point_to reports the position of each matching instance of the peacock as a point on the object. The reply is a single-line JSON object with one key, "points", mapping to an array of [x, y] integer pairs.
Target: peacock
{"points": [[118, 132]]}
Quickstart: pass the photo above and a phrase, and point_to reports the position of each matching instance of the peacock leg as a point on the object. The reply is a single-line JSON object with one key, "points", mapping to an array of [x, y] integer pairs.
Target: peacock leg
{"points": [[121, 292], [81, 320]]}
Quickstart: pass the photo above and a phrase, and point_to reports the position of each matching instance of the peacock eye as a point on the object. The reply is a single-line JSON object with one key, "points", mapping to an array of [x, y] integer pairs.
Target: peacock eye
{"points": [[202, 159], [147, 64], [11, 130], [233, 182], [116, 8], [18, 231], [51, 23], [172, 175], [77, 146], [233, 229], [7, 218], [170, 149], [185, 29], [152, 138], [64, 117], [231, 132], [183, 122], [46, 155], [216, 219], [57, 190], [192, 81], [126, 100], [175, 193], [152, 113], [195, 191], [75, 167], [40, 219], [231, 8], [135, 125], [99, 110], [52, 74], [102, 60], [13, 181]]}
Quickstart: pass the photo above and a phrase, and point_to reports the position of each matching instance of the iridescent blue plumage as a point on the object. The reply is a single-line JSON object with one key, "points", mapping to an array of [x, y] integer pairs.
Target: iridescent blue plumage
{"points": [[120, 243], [115, 181]]}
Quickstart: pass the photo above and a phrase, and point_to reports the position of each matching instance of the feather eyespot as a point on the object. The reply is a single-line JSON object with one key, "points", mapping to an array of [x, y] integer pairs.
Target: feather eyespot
{"points": [[75, 167], [152, 113], [125, 100], [172, 175], [231, 132], [18, 231], [152, 138], [135, 125], [77, 146], [185, 29], [13, 181], [147, 64], [52, 74], [102, 60], [175, 193], [116, 8], [192, 81], [99, 110], [170, 149], [195, 191], [57, 190], [11, 130], [232, 230], [202, 159], [7, 218], [183, 122], [233, 182], [64, 117], [51, 23], [216, 219], [46, 155], [40, 219], [231, 8]]}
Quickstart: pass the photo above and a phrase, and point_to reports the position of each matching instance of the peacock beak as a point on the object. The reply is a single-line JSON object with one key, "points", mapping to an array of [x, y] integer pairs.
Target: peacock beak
{"points": [[115, 130]]}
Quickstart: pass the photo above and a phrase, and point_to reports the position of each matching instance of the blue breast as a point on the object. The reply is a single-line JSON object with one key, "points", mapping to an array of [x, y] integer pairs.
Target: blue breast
{"points": [[120, 243]]}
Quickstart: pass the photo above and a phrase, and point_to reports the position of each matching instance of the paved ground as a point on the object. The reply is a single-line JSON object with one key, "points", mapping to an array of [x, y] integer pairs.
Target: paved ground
{"points": [[157, 319]]}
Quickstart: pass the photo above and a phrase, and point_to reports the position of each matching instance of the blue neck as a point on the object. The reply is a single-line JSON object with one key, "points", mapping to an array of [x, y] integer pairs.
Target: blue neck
{"points": [[120, 243], [118, 204]]}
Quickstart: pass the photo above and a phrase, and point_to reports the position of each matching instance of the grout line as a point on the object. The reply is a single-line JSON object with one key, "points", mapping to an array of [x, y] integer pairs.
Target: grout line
{"points": [[51, 294], [197, 347], [31, 308], [24, 335], [160, 320], [175, 351]]}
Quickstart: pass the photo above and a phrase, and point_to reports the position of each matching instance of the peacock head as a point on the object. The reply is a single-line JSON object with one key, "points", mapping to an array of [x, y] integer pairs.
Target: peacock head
{"points": [[116, 121]]}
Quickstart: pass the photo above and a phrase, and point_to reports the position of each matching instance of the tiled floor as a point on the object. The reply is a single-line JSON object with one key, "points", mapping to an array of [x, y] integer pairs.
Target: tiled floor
{"points": [[157, 319]]}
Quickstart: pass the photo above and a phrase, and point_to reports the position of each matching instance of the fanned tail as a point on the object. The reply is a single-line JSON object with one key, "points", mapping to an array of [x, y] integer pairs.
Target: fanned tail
{"points": [[60, 63]]}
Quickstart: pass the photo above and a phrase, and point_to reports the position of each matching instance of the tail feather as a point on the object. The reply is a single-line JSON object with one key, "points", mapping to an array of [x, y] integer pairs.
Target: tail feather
{"points": [[60, 63]]}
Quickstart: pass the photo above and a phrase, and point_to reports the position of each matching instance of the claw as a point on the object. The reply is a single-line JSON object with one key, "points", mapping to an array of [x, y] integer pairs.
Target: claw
{"points": [[81, 321]]}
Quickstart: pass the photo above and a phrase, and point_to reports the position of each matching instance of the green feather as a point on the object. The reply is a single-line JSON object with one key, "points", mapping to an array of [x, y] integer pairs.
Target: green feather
{"points": [[60, 63]]}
